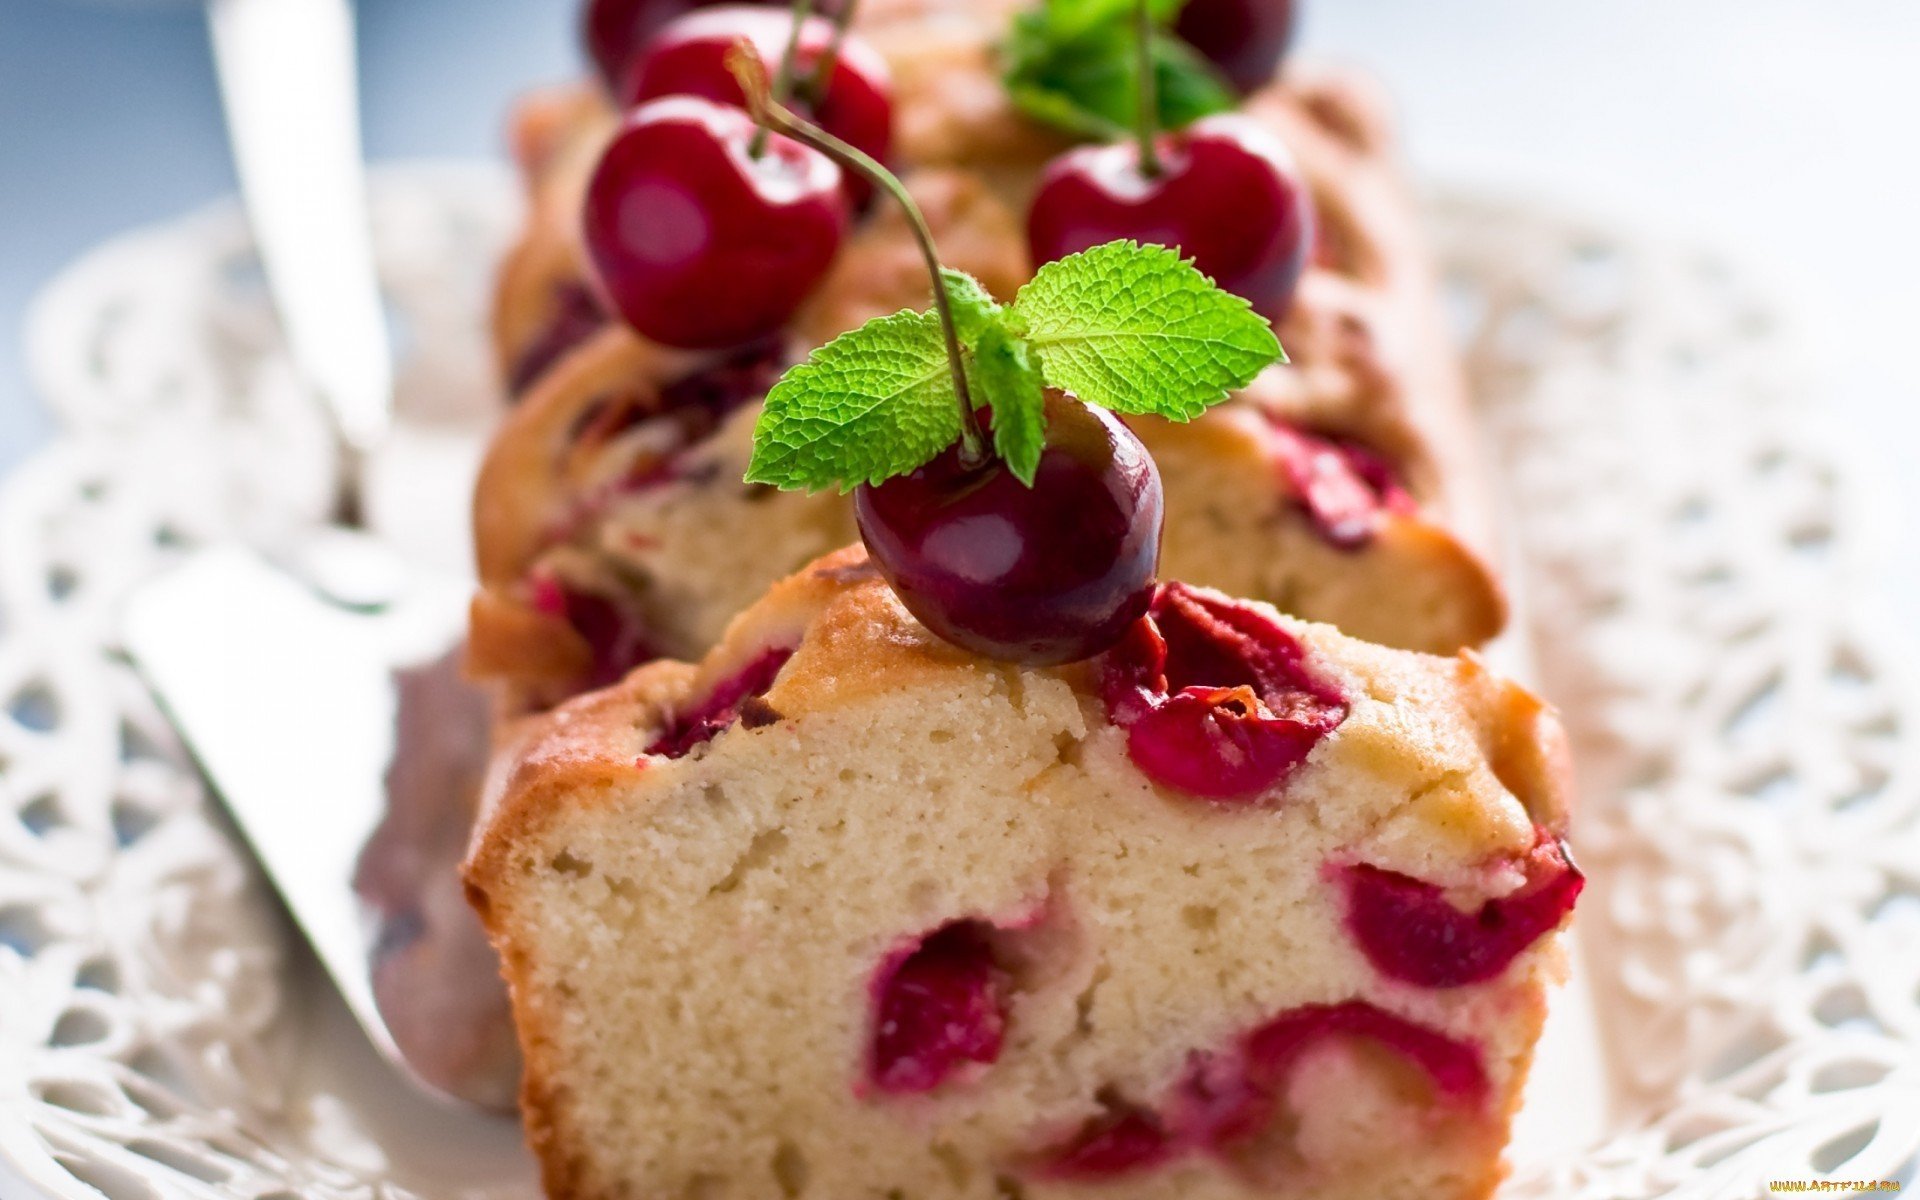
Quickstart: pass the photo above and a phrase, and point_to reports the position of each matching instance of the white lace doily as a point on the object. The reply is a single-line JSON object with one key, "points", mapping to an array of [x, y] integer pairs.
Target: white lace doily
{"points": [[1752, 819]]}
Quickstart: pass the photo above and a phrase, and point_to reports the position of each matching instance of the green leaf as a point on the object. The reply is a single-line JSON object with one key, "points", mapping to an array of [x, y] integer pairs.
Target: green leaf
{"points": [[974, 309], [1136, 329], [871, 404], [1005, 378], [1073, 64]]}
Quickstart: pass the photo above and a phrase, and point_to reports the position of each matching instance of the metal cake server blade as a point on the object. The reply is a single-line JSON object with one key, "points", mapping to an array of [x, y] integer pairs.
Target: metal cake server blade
{"points": [[349, 754], [321, 692]]}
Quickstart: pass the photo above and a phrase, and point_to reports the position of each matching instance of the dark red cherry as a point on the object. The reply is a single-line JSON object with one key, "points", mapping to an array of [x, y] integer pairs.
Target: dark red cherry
{"points": [[1227, 196], [615, 30], [1346, 490], [696, 242], [617, 636], [1217, 699], [1246, 39], [1039, 575], [574, 315], [1123, 1139], [1411, 932], [721, 707], [689, 57], [938, 1005]]}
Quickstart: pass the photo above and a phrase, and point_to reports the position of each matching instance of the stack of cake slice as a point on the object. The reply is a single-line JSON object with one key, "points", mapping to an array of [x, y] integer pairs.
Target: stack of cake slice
{"points": [[796, 899], [612, 522]]}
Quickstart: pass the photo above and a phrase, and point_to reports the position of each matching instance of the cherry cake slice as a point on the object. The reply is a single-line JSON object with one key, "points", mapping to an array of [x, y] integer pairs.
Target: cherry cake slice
{"points": [[842, 909]]}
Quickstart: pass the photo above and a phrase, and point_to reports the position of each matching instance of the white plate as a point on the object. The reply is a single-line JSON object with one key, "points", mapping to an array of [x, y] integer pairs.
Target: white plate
{"points": [[1747, 1001]]}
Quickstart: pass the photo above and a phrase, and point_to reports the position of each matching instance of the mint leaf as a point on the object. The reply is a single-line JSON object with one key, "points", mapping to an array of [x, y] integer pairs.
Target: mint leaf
{"points": [[974, 309], [1005, 378], [1137, 329], [871, 404], [1073, 64]]}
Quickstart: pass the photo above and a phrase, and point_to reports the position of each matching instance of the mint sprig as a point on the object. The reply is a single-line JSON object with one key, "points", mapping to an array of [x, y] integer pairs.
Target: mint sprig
{"points": [[869, 405], [1138, 330], [1132, 328], [1075, 65]]}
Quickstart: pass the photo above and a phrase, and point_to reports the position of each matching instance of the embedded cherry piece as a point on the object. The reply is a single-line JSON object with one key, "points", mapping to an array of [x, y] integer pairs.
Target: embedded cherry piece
{"points": [[1219, 743], [1040, 575], [1346, 490], [1410, 932], [689, 57], [1272, 1051], [696, 242], [1227, 196], [721, 707], [938, 1005], [617, 638], [728, 383], [683, 412], [1246, 39], [1228, 1101], [1121, 1140], [1217, 699], [575, 316]]}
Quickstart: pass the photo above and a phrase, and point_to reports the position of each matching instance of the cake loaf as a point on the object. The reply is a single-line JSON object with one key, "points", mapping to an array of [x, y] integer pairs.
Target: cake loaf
{"points": [[842, 910], [612, 525]]}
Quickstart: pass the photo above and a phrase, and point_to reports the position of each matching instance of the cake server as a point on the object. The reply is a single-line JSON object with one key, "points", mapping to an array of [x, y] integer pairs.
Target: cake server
{"points": [[320, 691]]}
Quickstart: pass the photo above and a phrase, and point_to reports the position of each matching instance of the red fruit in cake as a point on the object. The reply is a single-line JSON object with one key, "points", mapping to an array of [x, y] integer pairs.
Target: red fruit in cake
{"points": [[1216, 698], [938, 1005], [616, 636], [1246, 39], [1224, 743], [1040, 575], [1346, 490], [697, 242], [722, 706], [574, 317], [1227, 195], [1411, 932], [1123, 1139], [688, 57], [1228, 1102]]}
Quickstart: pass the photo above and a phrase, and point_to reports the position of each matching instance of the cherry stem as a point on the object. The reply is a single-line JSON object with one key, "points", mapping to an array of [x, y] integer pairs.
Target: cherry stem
{"points": [[1147, 119], [772, 115], [822, 76], [783, 82]]}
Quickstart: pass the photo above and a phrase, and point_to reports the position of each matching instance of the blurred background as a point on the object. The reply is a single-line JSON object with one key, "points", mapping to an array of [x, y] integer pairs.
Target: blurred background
{"points": [[1778, 131]]}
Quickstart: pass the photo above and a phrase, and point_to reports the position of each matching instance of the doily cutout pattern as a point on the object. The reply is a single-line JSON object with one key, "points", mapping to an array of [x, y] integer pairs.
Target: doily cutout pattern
{"points": [[1752, 819]]}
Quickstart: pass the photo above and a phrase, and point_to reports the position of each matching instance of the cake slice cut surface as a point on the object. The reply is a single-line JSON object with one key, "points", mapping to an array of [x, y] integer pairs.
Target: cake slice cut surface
{"points": [[843, 911]]}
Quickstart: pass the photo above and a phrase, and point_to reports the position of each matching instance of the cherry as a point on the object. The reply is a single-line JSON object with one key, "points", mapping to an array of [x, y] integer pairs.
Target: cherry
{"points": [[696, 242], [1124, 1138], [1226, 194], [615, 30], [576, 316], [938, 1005], [1039, 575], [1216, 698], [1246, 39], [617, 637], [688, 57], [721, 707], [1346, 490], [1411, 933], [1228, 1101]]}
